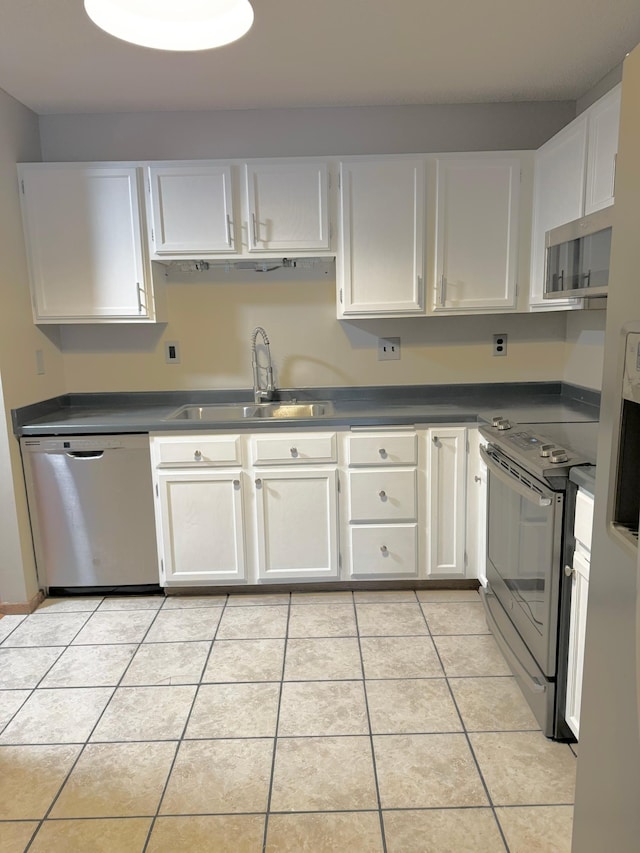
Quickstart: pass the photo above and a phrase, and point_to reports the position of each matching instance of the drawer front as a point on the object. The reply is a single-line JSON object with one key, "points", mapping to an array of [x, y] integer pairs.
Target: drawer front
{"points": [[382, 496], [203, 450], [384, 550], [583, 523], [383, 449], [292, 448]]}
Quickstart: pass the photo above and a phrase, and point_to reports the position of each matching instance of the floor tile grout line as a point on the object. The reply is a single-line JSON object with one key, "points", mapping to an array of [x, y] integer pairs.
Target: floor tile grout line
{"points": [[468, 740], [371, 743], [181, 739], [100, 716], [275, 737]]}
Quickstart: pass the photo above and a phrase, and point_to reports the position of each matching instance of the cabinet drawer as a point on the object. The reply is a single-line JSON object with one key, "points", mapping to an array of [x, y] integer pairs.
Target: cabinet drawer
{"points": [[384, 550], [583, 523], [292, 448], [383, 449], [382, 496], [197, 450]]}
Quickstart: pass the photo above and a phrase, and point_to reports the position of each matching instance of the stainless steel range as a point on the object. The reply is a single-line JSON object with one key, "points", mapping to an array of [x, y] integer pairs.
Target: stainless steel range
{"points": [[527, 532]]}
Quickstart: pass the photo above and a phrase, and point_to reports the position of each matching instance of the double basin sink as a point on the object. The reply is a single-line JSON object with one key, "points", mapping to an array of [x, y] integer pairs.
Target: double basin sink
{"points": [[213, 412]]}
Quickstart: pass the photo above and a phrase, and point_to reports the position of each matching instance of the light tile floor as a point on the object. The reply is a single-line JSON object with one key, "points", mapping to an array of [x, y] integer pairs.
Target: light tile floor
{"points": [[372, 721]]}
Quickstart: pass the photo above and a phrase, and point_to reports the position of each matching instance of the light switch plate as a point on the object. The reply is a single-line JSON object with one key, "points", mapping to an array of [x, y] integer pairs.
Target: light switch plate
{"points": [[172, 352]]}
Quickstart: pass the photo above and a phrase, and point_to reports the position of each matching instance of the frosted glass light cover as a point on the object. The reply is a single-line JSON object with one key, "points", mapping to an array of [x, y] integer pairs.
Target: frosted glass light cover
{"points": [[173, 24]]}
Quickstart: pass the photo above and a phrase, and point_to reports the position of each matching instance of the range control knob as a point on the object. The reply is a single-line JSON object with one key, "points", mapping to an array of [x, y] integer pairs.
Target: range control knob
{"points": [[495, 421], [504, 424], [558, 455], [545, 449]]}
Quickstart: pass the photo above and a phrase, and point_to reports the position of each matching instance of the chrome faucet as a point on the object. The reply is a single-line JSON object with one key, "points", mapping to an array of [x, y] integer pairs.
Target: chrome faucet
{"points": [[260, 394]]}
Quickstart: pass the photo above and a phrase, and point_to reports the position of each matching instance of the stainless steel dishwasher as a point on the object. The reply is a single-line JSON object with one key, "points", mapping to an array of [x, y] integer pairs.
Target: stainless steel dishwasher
{"points": [[91, 506]]}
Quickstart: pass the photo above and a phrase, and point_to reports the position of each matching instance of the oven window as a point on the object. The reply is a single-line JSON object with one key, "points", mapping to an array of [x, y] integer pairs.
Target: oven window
{"points": [[520, 551]]}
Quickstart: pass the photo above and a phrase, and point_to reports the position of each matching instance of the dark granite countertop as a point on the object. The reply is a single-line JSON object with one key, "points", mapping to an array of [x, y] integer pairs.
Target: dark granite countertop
{"points": [[142, 412]]}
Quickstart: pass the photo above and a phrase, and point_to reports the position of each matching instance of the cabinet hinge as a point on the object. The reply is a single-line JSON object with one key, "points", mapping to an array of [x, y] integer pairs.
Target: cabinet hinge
{"points": [[339, 559], [157, 492], [340, 296], [22, 185], [339, 486], [162, 567], [466, 559], [330, 232], [339, 181], [153, 236], [520, 175]]}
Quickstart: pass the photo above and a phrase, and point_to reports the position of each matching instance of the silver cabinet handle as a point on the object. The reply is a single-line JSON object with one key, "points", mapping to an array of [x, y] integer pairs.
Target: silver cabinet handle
{"points": [[477, 479], [236, 484], [258, 483], [197, 455], [255, 229], [434, 439], [294, 451], [382, 494], [383, 452], [138, 289], [384, 550], [229, 240]]}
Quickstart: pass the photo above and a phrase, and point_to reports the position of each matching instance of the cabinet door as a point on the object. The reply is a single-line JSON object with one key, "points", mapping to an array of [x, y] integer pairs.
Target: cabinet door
{"points": [[446, 501], [476, 234], [191, 210], [476, 508], [577, 631], [288, 206], [604, 121], [558, 198], [297, 523], [84, 243], [201, 526], [381, 254]]}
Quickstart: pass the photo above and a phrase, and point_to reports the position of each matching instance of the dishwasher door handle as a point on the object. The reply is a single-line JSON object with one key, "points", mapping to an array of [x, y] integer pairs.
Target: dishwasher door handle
{"points": [[85, 454]]}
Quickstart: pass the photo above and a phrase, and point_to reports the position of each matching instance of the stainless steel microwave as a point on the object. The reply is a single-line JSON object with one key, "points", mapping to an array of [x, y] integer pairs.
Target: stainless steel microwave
{"points": [[577, 257]]}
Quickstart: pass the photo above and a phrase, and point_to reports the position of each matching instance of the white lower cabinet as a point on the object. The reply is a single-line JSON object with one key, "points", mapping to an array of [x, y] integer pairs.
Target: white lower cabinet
{"points": [[578, 614], [202, 521], [309, 505], [446, 501], [297, 523]]}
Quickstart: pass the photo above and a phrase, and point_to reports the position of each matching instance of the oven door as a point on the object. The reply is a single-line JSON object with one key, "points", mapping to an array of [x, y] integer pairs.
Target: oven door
{"points": [[524, 554]]}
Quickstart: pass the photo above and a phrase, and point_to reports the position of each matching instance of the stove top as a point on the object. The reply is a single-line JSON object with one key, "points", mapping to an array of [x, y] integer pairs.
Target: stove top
{"points": [[545, 450]]}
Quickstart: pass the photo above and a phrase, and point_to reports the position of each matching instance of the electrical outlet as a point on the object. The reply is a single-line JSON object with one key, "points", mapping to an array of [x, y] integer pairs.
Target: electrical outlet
{"points": [[39, 362], [500, 344], [388, 349], [172, 352]]}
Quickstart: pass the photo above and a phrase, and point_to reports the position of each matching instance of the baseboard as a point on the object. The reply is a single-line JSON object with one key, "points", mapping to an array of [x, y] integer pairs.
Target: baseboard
{"points": [[25, 607]]}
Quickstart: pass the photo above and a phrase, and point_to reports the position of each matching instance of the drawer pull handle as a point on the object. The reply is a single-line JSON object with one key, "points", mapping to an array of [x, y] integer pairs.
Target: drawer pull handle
{"points": [[294, 451], [236, 484], [477, 479], [197, 455], [435, 439], [382, 494], [258, 483], [383, 453], [384, 550]]}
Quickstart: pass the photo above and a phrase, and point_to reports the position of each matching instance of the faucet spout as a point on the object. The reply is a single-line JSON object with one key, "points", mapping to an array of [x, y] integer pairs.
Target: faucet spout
{"points": [[261, 394]]}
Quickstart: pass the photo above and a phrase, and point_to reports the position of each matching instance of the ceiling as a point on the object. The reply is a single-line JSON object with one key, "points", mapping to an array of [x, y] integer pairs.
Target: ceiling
{"points": [[322, 53]]}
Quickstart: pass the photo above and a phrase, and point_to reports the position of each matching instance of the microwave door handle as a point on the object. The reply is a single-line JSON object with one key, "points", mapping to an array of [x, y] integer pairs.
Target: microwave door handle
{"points": [[514, 485]]}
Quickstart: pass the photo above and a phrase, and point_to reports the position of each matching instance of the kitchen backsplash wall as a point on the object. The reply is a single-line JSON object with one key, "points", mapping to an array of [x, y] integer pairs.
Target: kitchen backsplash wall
{"points": [[212, 322], [585, 348]]}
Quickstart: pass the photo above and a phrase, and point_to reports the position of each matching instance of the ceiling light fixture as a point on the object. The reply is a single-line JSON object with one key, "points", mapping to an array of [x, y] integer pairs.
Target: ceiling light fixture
{"points": [[173, 24]]}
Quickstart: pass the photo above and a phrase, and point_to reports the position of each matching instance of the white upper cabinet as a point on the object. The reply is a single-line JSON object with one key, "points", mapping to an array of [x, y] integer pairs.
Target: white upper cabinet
{"points": [[288, 206], [602, 147], [85, 250], [191, 210], [476, 234], [574, 176], [380, 265]]}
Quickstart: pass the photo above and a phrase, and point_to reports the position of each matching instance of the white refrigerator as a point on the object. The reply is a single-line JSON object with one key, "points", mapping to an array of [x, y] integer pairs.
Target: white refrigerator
{"points": [[607, 805]]}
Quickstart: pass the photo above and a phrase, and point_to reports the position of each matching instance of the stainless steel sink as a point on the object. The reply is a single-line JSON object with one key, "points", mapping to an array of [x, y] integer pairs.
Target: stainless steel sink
{"points": [[213, 412]]}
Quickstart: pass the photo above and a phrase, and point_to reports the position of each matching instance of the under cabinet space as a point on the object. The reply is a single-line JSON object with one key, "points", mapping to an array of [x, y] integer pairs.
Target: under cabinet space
{"points": [[384, 550]]}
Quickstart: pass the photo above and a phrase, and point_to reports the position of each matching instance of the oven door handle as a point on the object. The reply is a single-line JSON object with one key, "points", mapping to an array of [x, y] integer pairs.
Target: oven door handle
{"points": [[513, 484]]}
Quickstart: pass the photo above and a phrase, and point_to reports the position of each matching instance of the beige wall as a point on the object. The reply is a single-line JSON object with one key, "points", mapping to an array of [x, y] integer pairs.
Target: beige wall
{"points": [[19, 340], [212, 321], [585, 348]]}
